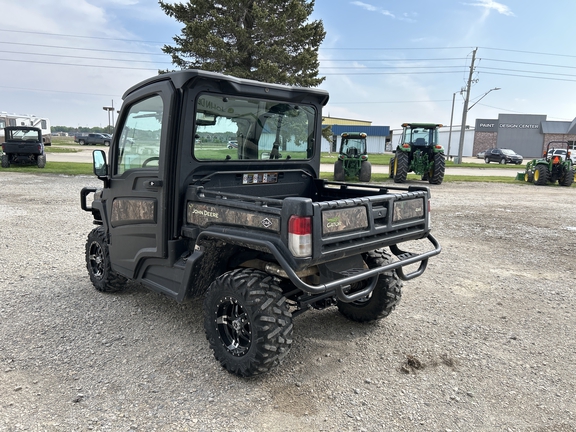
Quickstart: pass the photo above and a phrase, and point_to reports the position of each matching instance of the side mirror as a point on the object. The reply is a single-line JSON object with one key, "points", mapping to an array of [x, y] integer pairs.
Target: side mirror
{"points": [[99, 163]]}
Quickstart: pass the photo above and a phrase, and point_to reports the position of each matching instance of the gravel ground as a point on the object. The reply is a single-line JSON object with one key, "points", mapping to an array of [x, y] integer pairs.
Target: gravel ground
{"points": [[483, 341]]}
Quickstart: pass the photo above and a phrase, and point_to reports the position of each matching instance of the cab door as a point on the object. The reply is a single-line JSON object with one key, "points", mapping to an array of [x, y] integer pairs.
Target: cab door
{"points": [[136, 199]]}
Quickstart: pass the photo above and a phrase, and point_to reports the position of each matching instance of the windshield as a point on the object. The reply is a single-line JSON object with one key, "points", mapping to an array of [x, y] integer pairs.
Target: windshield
{"points": [[508, 152], [242, 128]]}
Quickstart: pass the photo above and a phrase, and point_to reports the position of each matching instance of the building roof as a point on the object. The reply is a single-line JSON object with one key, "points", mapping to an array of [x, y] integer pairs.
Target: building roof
{"points": [[555, 127], [327, 120], [572, 127], [381, 131]]}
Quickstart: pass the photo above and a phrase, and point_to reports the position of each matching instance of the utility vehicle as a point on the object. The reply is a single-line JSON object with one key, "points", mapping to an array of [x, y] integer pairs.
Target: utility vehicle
{"points": [[252, 230]]}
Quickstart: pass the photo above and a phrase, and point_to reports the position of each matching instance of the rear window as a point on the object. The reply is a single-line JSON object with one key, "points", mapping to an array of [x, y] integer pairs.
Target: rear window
{"points": [[233, 128]]}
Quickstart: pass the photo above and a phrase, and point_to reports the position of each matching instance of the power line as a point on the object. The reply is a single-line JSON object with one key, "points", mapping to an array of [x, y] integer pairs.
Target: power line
{"points": [[80, 36], [79, 65], [81, 49], [83, 57]]}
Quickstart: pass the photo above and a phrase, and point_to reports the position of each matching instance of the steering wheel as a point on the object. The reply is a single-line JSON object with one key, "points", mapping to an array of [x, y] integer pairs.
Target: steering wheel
{"points": [[150, 159]]}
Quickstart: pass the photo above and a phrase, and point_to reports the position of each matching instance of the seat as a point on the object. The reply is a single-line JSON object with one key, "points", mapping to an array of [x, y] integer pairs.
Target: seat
{"points": [[420, 142]]}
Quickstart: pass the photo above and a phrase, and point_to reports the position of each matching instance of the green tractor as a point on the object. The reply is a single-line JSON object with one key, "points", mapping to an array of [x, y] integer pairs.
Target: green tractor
{"points": [[419, 151], [353, 158], [554, 166]]}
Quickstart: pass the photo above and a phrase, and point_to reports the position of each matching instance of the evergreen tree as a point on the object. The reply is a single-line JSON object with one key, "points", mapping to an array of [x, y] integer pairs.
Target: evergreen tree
{"points": [[265, 40]]}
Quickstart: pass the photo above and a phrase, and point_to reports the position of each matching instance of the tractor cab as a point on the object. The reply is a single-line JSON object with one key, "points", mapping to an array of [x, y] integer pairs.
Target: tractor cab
{"points": [[353, 145], [420, 134], [353, 158]]}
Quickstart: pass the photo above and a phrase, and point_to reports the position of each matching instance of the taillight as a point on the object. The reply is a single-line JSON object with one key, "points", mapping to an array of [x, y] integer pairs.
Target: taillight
{"points": [[300, 236]]}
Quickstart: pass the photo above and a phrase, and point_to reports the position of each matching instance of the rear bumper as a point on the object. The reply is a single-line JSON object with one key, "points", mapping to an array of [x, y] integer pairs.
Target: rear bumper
{"points": [[339, 286]]}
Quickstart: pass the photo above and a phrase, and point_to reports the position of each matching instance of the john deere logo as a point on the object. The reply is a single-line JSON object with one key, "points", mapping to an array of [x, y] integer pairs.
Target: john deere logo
{"points": [[333, 222]]}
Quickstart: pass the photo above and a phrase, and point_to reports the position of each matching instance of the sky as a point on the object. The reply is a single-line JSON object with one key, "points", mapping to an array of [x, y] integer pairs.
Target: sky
{"points": [[387, 62]]}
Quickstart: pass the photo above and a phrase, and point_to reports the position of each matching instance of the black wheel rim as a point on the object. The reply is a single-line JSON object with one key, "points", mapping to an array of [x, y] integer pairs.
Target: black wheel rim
{"points": [[234, 327], [96, 259]]}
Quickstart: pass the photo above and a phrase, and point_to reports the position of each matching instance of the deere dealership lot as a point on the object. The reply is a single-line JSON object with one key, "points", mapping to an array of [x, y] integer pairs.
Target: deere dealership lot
{"points": [[481, 341]]}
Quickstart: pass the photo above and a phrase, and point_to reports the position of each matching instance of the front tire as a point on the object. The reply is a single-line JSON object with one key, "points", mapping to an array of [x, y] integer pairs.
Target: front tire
{"points": [[401, 164], [81, 142], [384, 298], [247, 321], [98, 264], [487, 160]]}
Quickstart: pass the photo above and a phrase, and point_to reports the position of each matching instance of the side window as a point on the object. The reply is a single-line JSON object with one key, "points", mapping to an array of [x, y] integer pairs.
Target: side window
{"points": [[139, 144], [2, 123]]}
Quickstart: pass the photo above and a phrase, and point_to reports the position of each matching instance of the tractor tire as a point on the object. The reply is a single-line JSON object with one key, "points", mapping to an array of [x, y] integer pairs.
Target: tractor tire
{"points": [[541, 175], [568, 178], [41, 161], [401, 165], [391, 168], [382, 301], [436, 174], [98, 264], [5, 161], [339, 171], [247, 321], [365, 172], [529, 176]]}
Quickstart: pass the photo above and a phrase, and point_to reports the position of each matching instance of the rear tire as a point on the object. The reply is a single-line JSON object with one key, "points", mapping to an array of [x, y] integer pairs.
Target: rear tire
{"points": [[339, 171], [41, 161], [81, 142], [568, 178], [365, 172], [5, 161], [541, 175], [247, 321], [384, 298], [436, 174], [401, 163], [98, 264]]}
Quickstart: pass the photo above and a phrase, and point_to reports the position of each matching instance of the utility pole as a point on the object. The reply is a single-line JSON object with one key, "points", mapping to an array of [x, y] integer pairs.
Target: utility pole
{"points": [[465, 110]]}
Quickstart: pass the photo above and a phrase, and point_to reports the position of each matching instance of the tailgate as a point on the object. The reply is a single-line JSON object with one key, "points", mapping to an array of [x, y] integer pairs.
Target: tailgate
{"points": [[352, 225]]}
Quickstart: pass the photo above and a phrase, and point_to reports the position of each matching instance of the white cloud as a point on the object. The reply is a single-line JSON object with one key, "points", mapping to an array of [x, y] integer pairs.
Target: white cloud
{"points": [[490, 5], [372, 8]]}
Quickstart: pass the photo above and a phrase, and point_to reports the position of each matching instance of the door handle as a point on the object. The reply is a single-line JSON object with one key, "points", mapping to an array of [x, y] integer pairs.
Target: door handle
{"points": [[153, 183]]}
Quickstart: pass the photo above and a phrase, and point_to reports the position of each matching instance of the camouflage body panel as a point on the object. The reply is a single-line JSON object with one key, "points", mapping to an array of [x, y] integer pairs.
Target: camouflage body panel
{"points": [[410, 209], [205, 214], [127, 211], [342, 220]]}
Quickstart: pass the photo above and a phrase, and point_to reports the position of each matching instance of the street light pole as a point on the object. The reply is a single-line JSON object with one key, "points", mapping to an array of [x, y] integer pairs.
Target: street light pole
{"points": [[110, 110], [451, 119]]}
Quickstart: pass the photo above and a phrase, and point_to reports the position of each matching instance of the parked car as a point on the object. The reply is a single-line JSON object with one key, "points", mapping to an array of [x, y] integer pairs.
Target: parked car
{"points": [[94, 138], [481, 155], [502, 156], [232, 144], [562, 153]]}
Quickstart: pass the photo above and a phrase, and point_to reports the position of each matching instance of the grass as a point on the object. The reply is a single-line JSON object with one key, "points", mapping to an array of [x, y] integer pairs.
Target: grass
{"points": [[60, 150], [384, 178], [384, 159], [65, 168]]}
